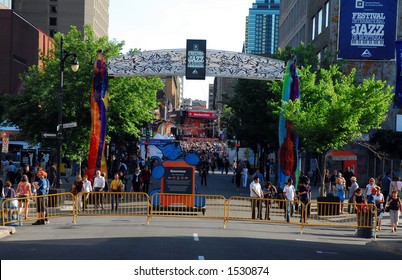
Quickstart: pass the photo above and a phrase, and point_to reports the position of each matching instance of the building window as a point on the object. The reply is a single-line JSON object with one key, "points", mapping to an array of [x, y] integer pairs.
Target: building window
{"points": [[52, 32], [53, 21], [326, 14], [319, 23], [312, 28], [53, 9]]}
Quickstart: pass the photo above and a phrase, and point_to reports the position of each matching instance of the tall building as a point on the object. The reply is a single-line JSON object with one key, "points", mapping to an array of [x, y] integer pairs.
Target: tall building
{"points": [[58, 15], [360, 33], [262, 25], [20, 42]]}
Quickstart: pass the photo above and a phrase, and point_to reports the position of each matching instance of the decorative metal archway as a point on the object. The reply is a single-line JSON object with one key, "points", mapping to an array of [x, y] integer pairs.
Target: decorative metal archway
{"points": [[218, 64]]}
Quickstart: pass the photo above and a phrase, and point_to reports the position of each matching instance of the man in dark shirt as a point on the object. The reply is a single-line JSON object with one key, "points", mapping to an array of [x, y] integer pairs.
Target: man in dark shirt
{"points": [[347, 175], [385, 184]]}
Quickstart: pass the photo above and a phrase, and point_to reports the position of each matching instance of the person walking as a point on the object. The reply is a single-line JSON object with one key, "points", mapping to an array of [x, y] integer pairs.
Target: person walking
{"points": [[137, 181], [116, 186], [379, 203], [340, 192], [385, 186], [146, 178], [304, 198], [244, 176], [24, 192], [99, 188], [289, 195], [76, 189], [256, 195], [394, 204], [87, 188], [353, 187], [270, 193], [41, 190], [371, 185]]}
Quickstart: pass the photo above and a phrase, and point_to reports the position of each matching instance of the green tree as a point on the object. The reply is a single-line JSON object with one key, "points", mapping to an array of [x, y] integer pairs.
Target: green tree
{"points": [[336, 109], [249, 116], [35, 110], [306, 55]]}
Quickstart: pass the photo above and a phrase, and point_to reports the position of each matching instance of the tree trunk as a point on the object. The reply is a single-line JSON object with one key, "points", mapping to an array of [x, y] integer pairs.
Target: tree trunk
{"points": [[324, 160]]}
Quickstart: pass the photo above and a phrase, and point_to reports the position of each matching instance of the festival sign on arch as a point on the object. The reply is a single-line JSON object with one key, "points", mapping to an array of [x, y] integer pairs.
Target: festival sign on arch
{"points": [[164, 63]]}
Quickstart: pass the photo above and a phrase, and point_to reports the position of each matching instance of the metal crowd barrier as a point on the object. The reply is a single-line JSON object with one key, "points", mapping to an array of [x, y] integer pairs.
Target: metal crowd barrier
{"points": [[55, 206], [272, 210], [236, 208], [346, 215], [112, 204], [188, 206]]}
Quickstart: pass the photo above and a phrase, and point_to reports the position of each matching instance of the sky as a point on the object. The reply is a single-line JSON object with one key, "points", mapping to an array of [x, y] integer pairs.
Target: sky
{"points": [[167, 24]]}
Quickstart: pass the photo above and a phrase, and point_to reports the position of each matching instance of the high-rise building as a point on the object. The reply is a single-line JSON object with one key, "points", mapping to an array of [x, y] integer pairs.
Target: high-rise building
{"points": [[58, 15], [262, 26], [361, 34], [20, 42]]}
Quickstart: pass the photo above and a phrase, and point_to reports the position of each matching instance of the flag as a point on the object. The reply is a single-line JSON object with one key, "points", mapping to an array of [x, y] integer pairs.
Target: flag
{"points": [[288, 141]]}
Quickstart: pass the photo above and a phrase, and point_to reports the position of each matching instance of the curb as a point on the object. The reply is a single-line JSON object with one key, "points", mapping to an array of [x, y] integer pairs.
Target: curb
{"points": [[390, 246], [6, 231]]}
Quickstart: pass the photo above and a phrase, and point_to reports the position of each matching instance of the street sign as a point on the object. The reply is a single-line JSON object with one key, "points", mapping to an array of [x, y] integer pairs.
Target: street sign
{"points": [[69, 125], [49, 135], [5, 145]]}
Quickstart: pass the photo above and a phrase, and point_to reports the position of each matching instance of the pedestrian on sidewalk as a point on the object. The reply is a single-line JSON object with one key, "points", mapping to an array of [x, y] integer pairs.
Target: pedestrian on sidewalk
{"points": [[290, 195], [270, 193], [256, 195], [395, 205]]}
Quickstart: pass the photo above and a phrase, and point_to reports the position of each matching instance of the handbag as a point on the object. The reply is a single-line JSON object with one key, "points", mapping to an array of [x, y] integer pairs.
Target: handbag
{"points": [[387, 208]]}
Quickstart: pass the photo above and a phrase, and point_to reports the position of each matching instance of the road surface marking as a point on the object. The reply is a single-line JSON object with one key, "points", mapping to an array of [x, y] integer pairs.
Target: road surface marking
{"points": [[196, 237], [201, 258], [322, 252]]}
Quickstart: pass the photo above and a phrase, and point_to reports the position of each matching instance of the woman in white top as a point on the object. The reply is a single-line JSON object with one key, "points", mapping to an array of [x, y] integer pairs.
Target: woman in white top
{"points": [[370, 186], [379, 203]]}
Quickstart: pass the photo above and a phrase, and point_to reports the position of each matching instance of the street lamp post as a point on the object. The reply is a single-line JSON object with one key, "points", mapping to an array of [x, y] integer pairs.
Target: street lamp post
{"points": [[74, 66]]}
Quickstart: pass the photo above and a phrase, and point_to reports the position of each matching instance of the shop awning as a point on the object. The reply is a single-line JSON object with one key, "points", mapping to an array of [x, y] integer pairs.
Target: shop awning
{"points": [[341, 155]]}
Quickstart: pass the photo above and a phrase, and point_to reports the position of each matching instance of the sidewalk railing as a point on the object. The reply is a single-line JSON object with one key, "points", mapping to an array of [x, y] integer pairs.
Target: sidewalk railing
{"points": [[205, 206]]}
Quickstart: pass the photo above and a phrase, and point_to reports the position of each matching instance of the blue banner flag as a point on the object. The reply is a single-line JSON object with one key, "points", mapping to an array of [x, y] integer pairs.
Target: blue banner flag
{"points": [[367, 29]]}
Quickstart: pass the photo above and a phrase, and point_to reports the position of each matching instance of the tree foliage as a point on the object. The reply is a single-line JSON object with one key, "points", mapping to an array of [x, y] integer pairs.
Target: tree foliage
{"points": [[306, 55], [35, 110], [249, 115], [336, 109]]}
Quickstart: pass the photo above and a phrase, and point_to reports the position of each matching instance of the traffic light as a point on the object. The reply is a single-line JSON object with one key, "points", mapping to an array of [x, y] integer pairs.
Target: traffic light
{"points": [[237, 147], [148, 132]]}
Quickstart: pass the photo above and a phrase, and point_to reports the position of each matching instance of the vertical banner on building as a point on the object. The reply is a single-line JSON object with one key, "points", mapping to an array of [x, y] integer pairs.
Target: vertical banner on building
{"points": [[398, 80], [367, 29], [195, 59]]}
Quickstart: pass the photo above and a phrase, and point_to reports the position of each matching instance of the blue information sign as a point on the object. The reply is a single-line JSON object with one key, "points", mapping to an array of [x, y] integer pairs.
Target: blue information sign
{"points": [[367, 29]]}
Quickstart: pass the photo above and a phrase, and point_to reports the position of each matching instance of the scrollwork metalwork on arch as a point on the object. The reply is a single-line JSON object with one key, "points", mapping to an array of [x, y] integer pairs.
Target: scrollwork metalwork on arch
{"points": [[218, 64]]}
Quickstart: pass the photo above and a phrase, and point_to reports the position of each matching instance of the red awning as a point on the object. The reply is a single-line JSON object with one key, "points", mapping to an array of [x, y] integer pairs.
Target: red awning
{"points": [[341, 155]]}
